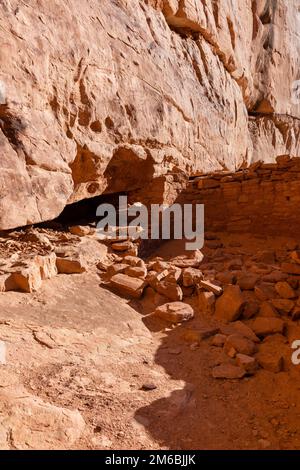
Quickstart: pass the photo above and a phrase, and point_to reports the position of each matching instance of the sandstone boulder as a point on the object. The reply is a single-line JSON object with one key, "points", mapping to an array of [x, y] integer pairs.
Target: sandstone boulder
{"points": [[229, 304], [127, 285], [175, 312]]}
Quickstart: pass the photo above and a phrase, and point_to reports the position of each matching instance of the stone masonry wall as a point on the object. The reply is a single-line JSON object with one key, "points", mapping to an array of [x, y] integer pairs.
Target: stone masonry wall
{"points": [[264, 199]]}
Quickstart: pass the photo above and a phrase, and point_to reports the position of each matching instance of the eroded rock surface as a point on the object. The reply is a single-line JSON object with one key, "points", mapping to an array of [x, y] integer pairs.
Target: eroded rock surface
{"points": [[108, 97]]}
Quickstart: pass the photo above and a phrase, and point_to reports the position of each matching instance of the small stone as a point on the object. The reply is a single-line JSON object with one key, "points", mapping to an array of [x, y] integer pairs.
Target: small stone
{"points": [[161, 275], [267, 310], [229, 305], [284, 290], [27, 279], [175, 312], [264, 443], [193, 261], [174, 275], [127, 285], [234, 264], [191, 277], [226, 277], [80, 230], [240, 344], [149, 386], [270, 357], [47, 264], [295, 256], [291, 268], [206, 302], [266, 257], [247, 362], [158, 266], [116, 268], [122, 246], [219, 340], [196, 336], [135, 271], [250, 309], [210, 287], [283, 305], [170, 290], [247, 281], [275, 276], [228, 371], [238, 327], [69, 266], [265, 291], [267, 326], [134, 261]]}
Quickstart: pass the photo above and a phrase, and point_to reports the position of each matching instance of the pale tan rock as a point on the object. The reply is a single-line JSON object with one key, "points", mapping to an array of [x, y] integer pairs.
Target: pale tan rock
{"points": [[170, 290], [35, 424], [209, 286], [229, 304], [135, 271], [27, 279], [174, 275], [116, 268], [175, 312], [134, 261], [127, 285], [206, 301], [47, 264], [69, 266], [80, 230], [122, 246]]}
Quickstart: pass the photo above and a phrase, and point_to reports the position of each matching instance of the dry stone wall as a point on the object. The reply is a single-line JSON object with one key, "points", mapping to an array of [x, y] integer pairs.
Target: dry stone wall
{"points": [[264, 199]]}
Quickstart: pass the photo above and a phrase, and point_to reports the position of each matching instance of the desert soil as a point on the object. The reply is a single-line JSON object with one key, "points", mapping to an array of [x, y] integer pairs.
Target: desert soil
{"points": [[87, 369]]}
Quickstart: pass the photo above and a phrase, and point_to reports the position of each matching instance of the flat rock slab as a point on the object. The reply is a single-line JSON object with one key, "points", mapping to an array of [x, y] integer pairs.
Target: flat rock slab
{"points": [[128, 285], [228, 371], [175, 312]]}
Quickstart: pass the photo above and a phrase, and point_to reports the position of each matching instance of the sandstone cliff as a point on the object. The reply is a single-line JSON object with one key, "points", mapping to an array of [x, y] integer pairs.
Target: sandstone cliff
{"points": [[105, 95]]}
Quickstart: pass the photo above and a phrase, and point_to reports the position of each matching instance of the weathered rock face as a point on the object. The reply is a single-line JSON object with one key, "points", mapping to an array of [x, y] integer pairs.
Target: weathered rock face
{"points": [[105, 96]]}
